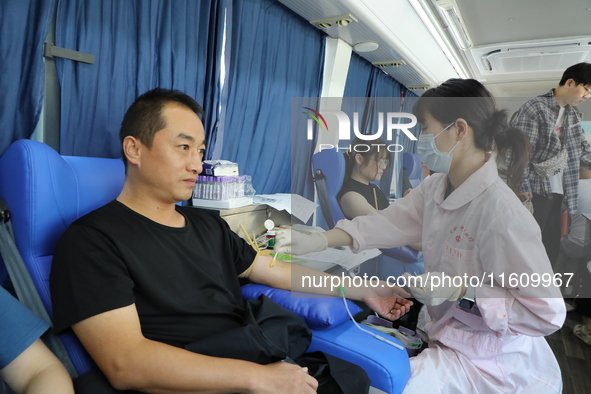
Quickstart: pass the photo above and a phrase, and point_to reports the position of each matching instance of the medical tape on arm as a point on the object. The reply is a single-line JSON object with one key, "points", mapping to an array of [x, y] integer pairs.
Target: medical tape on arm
{"points": [[260, 252]]}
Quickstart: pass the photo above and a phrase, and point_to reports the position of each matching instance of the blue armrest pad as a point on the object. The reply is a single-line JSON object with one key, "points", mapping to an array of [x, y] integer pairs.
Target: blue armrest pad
{"points": [[387, 367], [406, 254], [317, 311]]}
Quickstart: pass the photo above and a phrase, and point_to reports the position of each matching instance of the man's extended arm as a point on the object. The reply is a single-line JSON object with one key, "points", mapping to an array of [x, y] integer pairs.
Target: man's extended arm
{"points": [[130, 361], [389, 301]]}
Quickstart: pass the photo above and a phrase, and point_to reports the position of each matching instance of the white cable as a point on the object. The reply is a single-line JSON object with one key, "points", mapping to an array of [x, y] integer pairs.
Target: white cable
{"points": [[342, 290]]}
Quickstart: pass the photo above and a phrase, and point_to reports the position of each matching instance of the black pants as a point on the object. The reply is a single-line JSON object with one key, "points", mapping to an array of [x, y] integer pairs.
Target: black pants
{"points": [[547, 212], [335, 376], [270, 334], [584, 301], [584, 307]]}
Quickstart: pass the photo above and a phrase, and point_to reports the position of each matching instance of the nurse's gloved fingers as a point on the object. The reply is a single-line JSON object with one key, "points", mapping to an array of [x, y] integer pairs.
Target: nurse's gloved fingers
{"points": [[299, 243], [419, 287], [283, 233], [282, 249], [304, 243], [283, 241], [413, 285], [431, 288]]}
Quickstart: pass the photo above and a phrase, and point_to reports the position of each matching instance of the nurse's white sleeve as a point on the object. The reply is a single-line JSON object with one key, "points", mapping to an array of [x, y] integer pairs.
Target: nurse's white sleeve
{"points": [[399, 224], [511, 249]]}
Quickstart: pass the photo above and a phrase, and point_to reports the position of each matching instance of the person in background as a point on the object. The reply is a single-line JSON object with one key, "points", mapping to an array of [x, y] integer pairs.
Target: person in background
{"points": [[486, 336], [572, 261], [578, 223], [366, 163], [359, 196], [553, 126], [26, 364]]}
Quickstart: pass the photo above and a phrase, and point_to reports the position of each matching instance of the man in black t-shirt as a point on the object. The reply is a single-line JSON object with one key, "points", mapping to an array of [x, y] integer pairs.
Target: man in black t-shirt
{"points": [[151, 289]]}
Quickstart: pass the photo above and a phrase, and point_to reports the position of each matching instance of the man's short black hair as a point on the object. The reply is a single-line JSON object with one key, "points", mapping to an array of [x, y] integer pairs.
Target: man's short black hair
{"points": [[580, 73], [144, 117]]}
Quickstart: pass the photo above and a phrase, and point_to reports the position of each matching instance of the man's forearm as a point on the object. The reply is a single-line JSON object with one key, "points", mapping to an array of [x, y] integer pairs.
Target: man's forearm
{"points": [[156, 367]]}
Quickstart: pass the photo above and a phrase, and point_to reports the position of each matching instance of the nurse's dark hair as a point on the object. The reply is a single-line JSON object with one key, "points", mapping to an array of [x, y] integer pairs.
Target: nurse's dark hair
{"points": [[373, 149], [468, 99], [144, 119]]}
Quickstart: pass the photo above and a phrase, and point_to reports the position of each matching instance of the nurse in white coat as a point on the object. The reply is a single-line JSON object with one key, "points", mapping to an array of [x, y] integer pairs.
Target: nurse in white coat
{"points": [[500, 297]]}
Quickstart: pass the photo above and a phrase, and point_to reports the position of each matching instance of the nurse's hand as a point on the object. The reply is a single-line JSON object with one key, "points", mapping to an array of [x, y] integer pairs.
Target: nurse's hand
{"points": [[296, 242], [432, 289]]}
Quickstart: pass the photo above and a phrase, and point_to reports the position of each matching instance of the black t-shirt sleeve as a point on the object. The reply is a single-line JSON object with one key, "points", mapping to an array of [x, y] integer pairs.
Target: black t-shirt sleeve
{"points": [[84, 260], [243, 254]]}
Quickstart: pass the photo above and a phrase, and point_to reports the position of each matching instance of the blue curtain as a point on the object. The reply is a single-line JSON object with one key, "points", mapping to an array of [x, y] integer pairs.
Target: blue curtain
{"points": [[382, 94], [410, 146], [358, 76], [302, 149], [215, 95], [138, 45], [410, 98], [385, 93], [23, 27], [263, 76], [402, 101]]}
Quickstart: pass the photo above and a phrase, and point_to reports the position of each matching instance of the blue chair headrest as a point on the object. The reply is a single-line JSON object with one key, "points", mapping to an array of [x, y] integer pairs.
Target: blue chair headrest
{"points": [[332, 164], [45, 192]]}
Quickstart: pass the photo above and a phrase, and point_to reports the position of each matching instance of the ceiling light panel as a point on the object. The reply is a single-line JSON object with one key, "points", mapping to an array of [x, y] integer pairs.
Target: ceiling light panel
{"points": [[389, 63], [335, 21], [379, 21]]}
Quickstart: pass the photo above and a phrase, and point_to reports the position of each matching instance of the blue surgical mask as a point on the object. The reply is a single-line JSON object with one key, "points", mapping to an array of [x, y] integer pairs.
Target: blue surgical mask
{"points": [[434, 159]]}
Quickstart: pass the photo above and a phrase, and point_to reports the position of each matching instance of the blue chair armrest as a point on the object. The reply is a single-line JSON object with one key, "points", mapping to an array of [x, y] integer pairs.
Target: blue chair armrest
{"points": [[317, 311], [335, 334], [387, 367]]}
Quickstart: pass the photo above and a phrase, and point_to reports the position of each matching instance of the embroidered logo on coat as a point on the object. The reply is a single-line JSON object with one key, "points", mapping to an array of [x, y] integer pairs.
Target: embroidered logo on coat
{"points": [[462, 233], [457, 253]]}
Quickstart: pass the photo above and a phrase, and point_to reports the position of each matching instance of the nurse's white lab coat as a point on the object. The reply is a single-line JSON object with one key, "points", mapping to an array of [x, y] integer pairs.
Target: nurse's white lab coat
{"points": [[481, 230]]}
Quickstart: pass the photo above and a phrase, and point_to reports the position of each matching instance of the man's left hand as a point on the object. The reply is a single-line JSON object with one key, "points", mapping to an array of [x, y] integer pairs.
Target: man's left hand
{"points": [[390, 308]]}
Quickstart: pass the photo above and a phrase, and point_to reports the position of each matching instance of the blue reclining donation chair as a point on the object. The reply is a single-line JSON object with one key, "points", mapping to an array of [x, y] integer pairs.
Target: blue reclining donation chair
{"points": [[45, 192]]}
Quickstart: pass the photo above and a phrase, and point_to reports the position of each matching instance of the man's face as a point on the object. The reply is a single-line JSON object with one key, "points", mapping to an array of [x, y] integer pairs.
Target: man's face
{"points": [[169, 169], [577, 93]]}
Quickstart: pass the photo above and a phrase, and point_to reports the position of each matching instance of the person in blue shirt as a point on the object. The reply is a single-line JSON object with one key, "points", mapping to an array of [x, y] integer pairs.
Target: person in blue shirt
{"points": [[26, 364]]}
